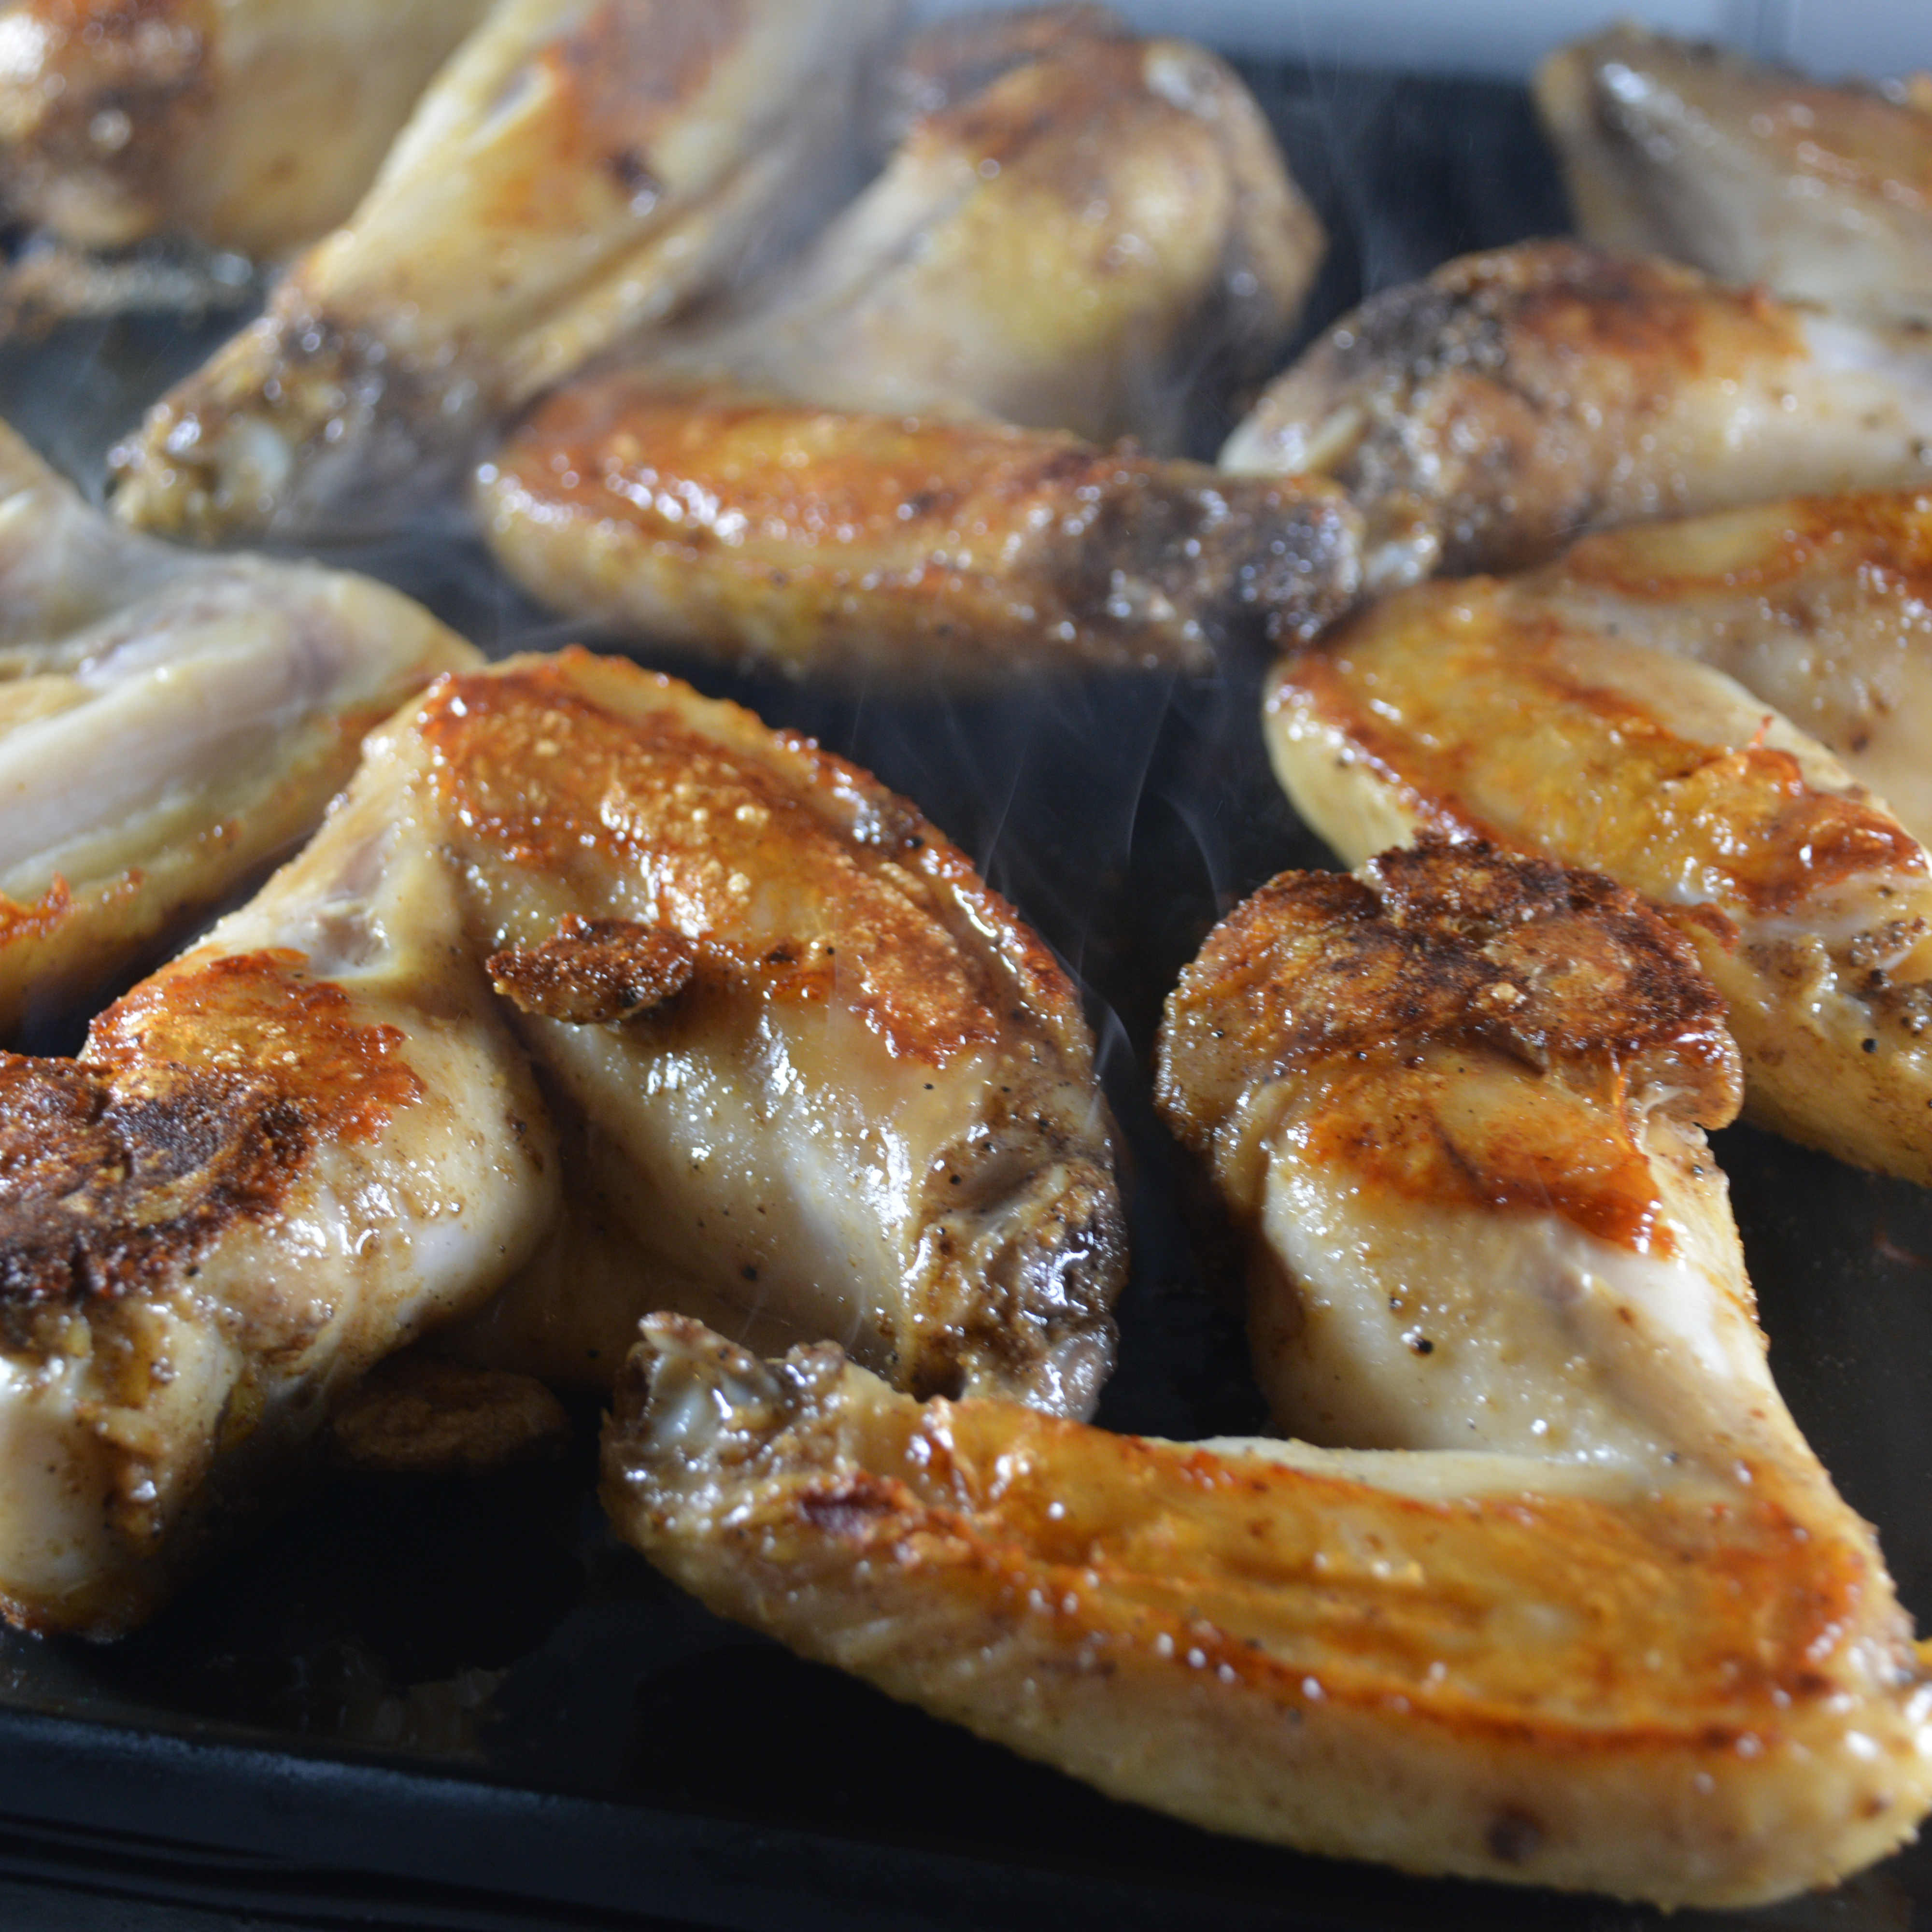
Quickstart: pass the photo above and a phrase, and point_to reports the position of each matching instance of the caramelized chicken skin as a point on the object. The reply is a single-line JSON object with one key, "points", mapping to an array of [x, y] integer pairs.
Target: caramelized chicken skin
{"points": [[1481, 417], [1593, 1618], [580, 169], [276, 1162], [1752, 173], [855, 544], [168, 726], [1821, 607], [830, 1081], [1480, 707]]}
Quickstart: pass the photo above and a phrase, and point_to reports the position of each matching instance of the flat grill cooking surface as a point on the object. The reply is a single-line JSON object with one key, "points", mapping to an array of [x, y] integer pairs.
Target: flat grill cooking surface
{"points": [[424, 1702]]}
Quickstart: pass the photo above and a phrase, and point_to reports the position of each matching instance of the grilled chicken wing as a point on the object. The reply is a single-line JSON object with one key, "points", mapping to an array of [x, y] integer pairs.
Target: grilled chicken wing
{"points": [[1483, 417], [830, 1081], [1822, 608], [878, 545], [1593, 1616], [253, 125], [1479, 708], [169, 725], [275, 1161], [1752, 173], [1061, 250], [580, 169]]}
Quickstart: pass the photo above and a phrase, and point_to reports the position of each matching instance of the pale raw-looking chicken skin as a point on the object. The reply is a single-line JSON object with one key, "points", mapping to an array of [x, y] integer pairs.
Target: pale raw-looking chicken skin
{"points": [[1822, 608], [1483, 708], [1591, 1615], [828, 1081], [1752, 173], [882, 547], [1482, 418], [580, 169], [1064, 246], [170, 726], [276, 1162]]}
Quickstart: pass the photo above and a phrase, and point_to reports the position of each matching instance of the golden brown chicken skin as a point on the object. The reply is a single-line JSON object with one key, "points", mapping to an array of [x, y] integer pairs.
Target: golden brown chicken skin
{"points": [[882, 546], [1822, 606], [1591, 1609], [1752, 173], [1483, 417], [1478, 708], [830, 1081]]}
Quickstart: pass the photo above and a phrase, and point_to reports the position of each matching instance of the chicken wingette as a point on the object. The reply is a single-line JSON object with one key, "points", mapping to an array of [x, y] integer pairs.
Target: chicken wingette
{"points": [[1589, 1614], [580, 169], [832, 543], [1482, 707], [170, 726], [250, 126], [1753, 172], [1481, 418]]}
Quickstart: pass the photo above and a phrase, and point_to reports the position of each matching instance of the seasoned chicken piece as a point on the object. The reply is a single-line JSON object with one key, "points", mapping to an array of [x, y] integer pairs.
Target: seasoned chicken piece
{"points": [[276, 1162], [580, 169], [1752, 173], [881, 546], [1822, 608], [168, 726], [1483, 417], [253, 125], [1592, 1618], [1480, 709], [830, 1081], [1062, 249]]}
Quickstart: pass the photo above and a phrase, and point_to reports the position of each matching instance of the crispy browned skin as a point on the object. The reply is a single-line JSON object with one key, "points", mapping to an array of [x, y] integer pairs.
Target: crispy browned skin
{"points": [[1752, 173], [1820, 606], [1482, 417], [247, 124], [1490, 708], [836, 1084], [1703, 1696], [1439, 953], [863, 544]]}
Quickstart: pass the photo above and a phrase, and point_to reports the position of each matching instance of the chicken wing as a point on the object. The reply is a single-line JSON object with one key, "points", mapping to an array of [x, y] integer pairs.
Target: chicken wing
{"points": [[1483, 417], [1751, 172], [830, 1081], [1593, 1619], [275, 1162], [1470, 708], [251, 125], [1061, 249], [580, 169], [1822, 608], [874, 545], [168, 726]]}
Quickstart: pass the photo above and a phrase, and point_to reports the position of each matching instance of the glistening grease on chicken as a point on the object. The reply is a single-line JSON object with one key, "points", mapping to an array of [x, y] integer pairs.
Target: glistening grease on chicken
{"points": [[828, 1084], [1591, 1615], [808, 1076], [1484, 707], [580, 169], [829, 543], [1752, 173], [1481, 417], [169, 725]]}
